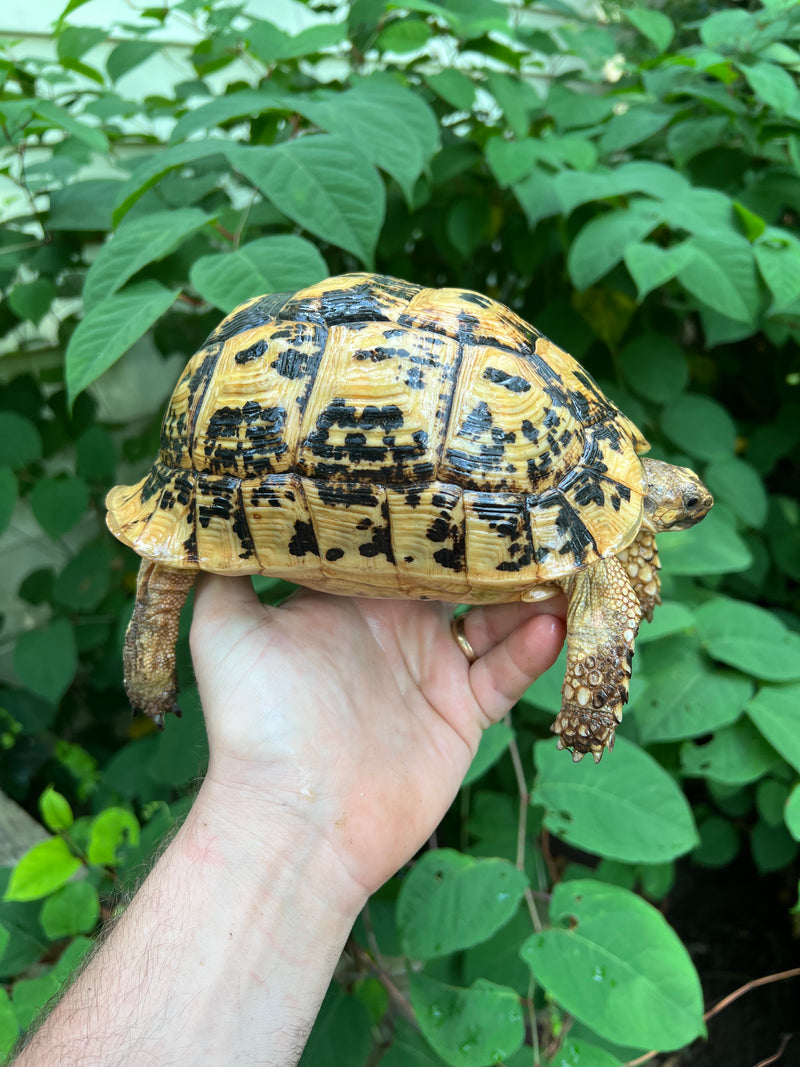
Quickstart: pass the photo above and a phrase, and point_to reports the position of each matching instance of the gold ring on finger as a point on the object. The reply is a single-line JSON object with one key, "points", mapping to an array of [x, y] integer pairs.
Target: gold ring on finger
{"points": [[461, 639]]}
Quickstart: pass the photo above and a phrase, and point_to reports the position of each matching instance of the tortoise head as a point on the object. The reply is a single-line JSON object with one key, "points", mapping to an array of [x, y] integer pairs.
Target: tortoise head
{"points": [[676, 498]]}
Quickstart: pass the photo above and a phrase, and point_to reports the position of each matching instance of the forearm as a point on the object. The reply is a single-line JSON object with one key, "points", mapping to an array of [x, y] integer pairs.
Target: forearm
{"points": [[223, 956]]}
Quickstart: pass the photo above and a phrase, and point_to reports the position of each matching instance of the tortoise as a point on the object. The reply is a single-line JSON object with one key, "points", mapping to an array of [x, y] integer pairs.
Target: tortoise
{"points": [[367, 436]]}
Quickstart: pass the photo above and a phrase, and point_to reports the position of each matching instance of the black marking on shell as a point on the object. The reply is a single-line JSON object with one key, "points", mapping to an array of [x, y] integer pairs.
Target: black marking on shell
{"points": [[252, 434], [469, 297], [223, 492], [352, 305], [343, 494], [304, 541], [252, 352], [197, 387], [512, 382], [333, 554], [241, 527], [154, 483], [381, 543], [259, 313], [291, 361]]}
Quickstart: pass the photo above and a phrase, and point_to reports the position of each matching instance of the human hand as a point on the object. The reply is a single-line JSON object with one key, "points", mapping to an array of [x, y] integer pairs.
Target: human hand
{"points": [[354, 719]]}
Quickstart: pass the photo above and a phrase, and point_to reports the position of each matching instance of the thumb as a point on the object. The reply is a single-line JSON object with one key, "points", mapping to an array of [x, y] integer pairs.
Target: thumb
{"points": [[219, 600]]}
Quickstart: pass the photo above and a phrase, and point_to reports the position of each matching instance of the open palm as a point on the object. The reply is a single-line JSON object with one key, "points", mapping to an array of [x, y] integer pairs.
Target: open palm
{"points": [[357, 717]]}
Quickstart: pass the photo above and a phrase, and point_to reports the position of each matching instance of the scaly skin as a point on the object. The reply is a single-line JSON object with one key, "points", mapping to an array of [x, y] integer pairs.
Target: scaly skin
{"points": [[148, 655]]}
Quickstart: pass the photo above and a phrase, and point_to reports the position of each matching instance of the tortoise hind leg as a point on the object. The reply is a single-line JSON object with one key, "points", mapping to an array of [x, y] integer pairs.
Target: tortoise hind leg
{"points": [[148, 655], [602, 620]]}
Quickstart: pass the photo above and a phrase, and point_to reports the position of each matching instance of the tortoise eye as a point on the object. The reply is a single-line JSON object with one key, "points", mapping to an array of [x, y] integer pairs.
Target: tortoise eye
{"points": [[691, 501]]}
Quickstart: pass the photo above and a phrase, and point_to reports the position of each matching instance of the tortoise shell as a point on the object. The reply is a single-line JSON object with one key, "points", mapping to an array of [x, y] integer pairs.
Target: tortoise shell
{"points": [[368, 436]]}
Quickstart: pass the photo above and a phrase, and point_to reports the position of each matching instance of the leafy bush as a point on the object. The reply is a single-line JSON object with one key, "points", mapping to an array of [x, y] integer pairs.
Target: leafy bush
{"points": [[629, 185]]}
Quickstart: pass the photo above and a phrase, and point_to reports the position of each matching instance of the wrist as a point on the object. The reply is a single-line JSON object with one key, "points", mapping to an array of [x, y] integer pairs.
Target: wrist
{"points": [[260, 843]]}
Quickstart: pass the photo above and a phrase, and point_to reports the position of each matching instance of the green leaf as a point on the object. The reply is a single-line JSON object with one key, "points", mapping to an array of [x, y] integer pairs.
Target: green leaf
{"points": [[651, 266], [20, 441], [269, 43], [719, 842], [454, 87], [404, 35], [390, 126], [137, 243], [58, 503], [654, 366], [791, 812], [772, 85], [638, 176], [511, 161], [341, 1034], [752, 224], [74, 909], [736, 755], [494, 742], [409, 1048], [267, 265], [31, 995], [574, 1052], [685, 696], [515, 98], [56, 812], [573, 110], [91, 136], [626, 808], [75, 41], [42, 870], [8, 496], [127, 55], [96, 455], [601, 244], [537, 196], [111, 829], [83, 205], [775, 710], [467, 1027], [670, 618], [634, 126], [611, 960], [772, 847], [154, 167], [779, 265], [450, 901], [86, 578], [732, 29], [771, 797], [721, 273], [324, 185], [32, 300], [244, 104], [9, 1028], [749, 638], [46, 659], [110, 329], [689, 138], [699, 426], [710, 547], [497, 959], [654, 25], [738, 484]]}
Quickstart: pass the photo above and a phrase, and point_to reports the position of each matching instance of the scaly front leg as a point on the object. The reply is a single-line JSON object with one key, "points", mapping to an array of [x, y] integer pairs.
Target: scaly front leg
{"points": [[148, 655], [602, 620], [641, 563]]}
